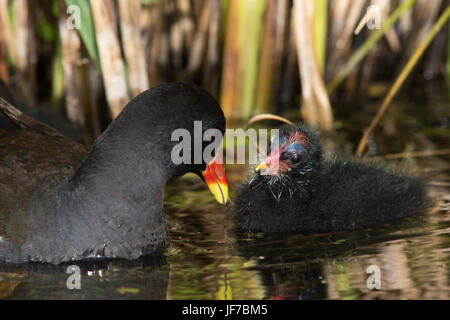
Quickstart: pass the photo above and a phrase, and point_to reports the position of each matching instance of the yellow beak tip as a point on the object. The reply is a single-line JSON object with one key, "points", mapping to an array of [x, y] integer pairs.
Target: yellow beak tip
{"points": [[220, 192], [261, 166]]}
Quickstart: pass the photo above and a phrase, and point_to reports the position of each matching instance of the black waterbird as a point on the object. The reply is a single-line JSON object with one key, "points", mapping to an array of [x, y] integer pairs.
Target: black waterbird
{"points": [[60, 203]]}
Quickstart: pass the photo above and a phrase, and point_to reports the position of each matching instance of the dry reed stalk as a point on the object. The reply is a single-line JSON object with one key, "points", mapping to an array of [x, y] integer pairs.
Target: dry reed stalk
{"points": [[4, 75], [154, 41], [21, 35], [199, 44], [197, 9], [320, 31], [230, 82], [110, 55], [175, 37], [367, 68], [147, 25], [25, 48], [181, 31], [164, 52], [129, 11], [146, 20], [393, 41], [424, 14], [9, 33], [417, 22], [344, 15], [211, 69], [249, 33], [71, 63], [93, 86], [185, 9], [433, 64], [267, 116], [5, 26], [272, 47], [290, 78], [406, 23], [24, 53], [391, 35], [316, 108]]}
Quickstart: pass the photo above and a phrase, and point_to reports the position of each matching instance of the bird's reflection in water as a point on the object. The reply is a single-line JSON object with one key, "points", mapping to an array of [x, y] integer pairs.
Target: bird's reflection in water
{"points": [[145, 278], [334, 265]]}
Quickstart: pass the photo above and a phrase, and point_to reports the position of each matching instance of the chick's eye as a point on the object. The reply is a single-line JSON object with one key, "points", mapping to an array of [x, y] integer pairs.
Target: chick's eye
{"points": [[284, 156], [295, 159]]}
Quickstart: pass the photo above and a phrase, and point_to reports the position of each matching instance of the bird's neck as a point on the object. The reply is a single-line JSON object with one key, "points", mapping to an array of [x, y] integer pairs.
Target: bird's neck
{"points": [[116, 196]]}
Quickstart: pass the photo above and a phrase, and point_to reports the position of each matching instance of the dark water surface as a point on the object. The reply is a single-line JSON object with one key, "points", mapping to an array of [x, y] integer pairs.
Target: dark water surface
{"points": [[208, 260]]}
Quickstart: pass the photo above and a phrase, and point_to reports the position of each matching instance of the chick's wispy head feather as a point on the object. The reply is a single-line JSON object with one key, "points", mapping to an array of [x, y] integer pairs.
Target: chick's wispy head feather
{"points": [[291, 164]]}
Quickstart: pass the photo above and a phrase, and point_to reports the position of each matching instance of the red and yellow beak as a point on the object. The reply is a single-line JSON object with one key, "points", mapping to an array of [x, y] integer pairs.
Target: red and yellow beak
{"points": [[214, 176], [271, 164]]}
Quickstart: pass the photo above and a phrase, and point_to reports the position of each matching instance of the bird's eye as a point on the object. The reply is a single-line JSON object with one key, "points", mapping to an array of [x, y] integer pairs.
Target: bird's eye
{"points": [[295, 159], [284, 156]]}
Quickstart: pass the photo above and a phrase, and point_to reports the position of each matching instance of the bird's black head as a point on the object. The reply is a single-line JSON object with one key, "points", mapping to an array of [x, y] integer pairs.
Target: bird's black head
{"points": [[140, 145], [293, 162]]}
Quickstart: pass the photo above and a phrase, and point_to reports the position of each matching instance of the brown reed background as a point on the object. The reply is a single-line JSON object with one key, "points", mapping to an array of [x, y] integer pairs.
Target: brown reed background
{"points": [[290, 57]]}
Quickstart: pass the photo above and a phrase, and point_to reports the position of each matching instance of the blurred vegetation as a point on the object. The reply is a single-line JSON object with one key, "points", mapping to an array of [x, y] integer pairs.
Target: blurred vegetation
{"points": [[294, 58]]}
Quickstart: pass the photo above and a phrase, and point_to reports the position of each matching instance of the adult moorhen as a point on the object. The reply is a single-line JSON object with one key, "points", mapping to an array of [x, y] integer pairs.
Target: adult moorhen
{"points": [[57, 207], [312, 194]]}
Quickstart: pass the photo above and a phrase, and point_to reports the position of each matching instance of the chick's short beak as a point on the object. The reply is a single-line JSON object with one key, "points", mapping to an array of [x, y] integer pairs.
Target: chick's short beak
{"points": [[262, 165], [271, 164], [214, 176]]}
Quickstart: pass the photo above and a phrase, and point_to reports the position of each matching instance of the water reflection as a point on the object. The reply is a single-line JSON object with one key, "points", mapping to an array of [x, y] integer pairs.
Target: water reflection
{"points": [[146, 278]]}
